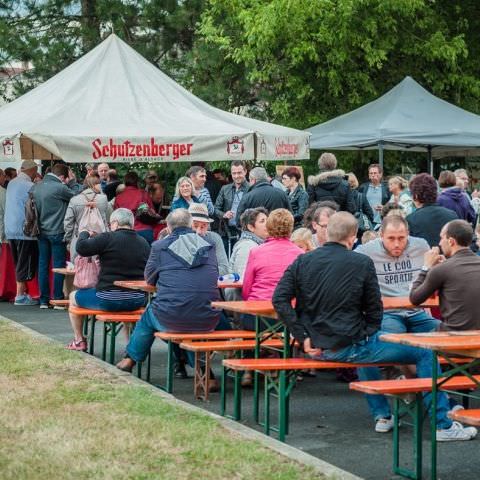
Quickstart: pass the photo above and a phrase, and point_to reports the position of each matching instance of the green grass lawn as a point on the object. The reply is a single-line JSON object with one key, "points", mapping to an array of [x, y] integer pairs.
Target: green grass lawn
{"points": [[62, 416]]}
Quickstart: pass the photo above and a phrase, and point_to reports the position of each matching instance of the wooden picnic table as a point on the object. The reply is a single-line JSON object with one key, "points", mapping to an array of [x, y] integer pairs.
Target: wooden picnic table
{"points": [[145, 287], [447, 345], [64, 271], [265, 307]]}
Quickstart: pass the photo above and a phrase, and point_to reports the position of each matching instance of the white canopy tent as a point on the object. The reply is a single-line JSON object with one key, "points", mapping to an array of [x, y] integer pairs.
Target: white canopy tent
{"points": [[407, 117], [113, 105]]}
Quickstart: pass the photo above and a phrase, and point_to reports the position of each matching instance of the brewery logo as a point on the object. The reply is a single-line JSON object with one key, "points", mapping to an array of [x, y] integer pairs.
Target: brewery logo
{"points": [[235, 146], [8, 147]]}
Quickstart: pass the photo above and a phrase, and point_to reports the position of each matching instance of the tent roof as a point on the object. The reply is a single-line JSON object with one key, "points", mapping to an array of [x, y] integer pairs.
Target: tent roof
{"points": [[407, 117], [112, 92]]}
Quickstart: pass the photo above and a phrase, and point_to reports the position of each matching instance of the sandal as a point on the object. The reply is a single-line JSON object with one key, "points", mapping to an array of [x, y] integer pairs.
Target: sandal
{"points": [[80, 346]]}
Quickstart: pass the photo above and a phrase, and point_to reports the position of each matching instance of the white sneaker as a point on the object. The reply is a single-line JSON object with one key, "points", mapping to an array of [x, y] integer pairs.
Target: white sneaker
{"points": [[44, 306], [456, 408], [456, 433], [384, 425]]}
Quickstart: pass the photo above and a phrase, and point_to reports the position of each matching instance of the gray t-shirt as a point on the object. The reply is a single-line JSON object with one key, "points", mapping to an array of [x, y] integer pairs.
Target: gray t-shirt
{"points": [[396, 274]]}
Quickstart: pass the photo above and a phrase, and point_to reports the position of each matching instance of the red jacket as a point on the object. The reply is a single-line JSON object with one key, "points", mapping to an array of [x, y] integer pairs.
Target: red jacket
{"points": [[131, 198]]}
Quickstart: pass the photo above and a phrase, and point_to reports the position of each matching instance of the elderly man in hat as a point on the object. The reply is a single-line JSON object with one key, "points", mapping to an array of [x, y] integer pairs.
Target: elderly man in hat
{"points": [[24, 249], [201, 223]]}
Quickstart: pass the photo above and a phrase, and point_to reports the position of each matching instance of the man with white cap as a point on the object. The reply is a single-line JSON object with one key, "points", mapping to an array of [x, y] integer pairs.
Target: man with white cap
{"points": [[24, 249], [200, 224]]}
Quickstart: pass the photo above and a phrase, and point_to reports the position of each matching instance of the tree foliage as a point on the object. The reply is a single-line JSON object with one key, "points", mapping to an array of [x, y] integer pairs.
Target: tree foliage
{"points": [[310, 61]]}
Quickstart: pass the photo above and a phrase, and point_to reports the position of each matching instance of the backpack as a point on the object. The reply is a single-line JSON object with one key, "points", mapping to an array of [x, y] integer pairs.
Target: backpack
{"points": [[87, 270], [30, 226], [364, 223], [91, 219]]}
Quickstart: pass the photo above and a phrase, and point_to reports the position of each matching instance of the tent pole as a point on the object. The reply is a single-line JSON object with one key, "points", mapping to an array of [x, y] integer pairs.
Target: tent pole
{"points": [[380, 154], [430, 161]]}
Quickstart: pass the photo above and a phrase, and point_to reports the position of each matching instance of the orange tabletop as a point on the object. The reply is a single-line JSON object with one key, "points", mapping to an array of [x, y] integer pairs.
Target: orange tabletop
{"points": [[63, 271], [229, 284], [143, 285], [265, 307], [390, 303], [466, 343], [136, 285], [252, 307]]}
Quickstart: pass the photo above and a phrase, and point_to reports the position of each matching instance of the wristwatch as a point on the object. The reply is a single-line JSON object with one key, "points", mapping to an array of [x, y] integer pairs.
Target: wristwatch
{"points": [[425, 268]]}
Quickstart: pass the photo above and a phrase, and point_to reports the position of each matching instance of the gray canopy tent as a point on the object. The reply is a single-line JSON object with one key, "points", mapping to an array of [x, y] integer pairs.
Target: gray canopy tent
{"points": [[407, 117]]}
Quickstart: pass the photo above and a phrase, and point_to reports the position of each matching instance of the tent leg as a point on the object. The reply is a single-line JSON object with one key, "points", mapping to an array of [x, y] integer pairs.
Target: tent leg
{"points": [[380, 154], [430, 160]]}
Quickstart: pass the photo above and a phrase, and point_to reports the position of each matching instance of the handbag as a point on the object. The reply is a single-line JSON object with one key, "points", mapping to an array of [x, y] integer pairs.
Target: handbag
{"points": [[30, 226], [147, 215], [364, 223], [87, 270]]}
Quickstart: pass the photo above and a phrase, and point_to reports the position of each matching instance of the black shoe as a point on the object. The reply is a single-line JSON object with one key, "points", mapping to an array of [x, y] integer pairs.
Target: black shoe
{"points": [[179, 371]]}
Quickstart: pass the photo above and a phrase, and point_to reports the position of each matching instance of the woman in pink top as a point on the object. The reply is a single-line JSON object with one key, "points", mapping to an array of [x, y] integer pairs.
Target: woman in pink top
{"points": [[267, 263]]}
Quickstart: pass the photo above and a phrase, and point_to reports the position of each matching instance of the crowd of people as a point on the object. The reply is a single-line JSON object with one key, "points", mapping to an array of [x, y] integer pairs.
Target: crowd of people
{"points": [[335, 246]]}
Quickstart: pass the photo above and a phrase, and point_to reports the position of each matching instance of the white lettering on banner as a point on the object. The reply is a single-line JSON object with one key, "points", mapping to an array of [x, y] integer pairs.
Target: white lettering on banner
{"points": [[129, 150]]}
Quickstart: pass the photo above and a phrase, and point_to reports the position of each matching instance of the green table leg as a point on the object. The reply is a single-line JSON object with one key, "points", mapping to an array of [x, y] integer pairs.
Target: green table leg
{"points": [[104, 341], [223, 391], [282, 405], [433, 418], [113, 338], [237, 396], [266, 406], [92, 336]]}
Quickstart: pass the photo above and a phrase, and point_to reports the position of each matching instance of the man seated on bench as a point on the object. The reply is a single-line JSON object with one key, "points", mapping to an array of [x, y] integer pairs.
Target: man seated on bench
{"points": [[456, 278], [338, 314], [398, 259], [122, 255], [183, 266]]}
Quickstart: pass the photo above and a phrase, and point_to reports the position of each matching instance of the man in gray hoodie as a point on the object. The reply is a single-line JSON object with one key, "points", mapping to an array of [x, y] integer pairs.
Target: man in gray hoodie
{"points": [[398, 260]]}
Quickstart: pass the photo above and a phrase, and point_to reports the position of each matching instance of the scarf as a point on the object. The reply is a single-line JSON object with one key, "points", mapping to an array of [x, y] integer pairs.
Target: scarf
{"points": [[247, 235]]}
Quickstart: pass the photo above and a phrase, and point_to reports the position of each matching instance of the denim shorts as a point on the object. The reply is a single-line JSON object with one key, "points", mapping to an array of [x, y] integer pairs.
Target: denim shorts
{"points": [[87, 298]]}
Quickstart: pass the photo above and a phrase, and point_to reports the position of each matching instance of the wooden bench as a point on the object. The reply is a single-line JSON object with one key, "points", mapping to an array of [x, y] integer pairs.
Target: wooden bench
{"points": [[417, 386], [468, 416], [204, 351], [60, 303], [176, 337], [90, 316], [280, 376]]}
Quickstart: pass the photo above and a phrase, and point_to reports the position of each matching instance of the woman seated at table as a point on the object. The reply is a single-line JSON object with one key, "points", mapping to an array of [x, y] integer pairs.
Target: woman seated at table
{"points": [[267, 263], [123, 255], [254, 232], [183, 194]]}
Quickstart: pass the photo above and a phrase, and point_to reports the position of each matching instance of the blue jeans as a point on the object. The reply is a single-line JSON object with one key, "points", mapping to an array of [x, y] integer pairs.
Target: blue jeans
{"points": [[408, 321], [51, 246], [373, 350], [143, 337], [147, 235], [87, 298]]}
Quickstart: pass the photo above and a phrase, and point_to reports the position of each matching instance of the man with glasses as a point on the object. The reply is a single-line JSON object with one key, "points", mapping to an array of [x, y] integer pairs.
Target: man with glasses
{"points": [[198, 176], [228, 201], [319, 224]]}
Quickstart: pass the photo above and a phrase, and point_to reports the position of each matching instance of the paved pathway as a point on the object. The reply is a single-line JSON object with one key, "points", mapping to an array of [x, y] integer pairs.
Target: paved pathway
{"points": [[327, 420]]}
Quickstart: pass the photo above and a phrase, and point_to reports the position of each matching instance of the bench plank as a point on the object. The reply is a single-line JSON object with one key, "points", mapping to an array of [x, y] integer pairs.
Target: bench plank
{"points": [[130, 318], [468, 416], [412, 385], [228, 345], [216, 335]]}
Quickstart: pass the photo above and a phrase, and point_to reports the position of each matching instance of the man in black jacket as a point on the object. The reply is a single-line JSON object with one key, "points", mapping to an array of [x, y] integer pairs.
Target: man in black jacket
{"points": [[338, 314], [262, 194], [228, 201], [330, 184]]}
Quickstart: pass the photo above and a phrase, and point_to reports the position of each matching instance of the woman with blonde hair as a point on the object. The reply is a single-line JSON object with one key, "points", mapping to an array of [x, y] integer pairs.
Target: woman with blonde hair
{"points": [[303, 238], [184, 194], [398, 187], [90, 197]]}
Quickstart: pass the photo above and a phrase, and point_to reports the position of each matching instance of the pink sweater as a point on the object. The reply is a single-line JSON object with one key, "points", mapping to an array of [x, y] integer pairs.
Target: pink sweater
{"points": [[265, 267]]}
